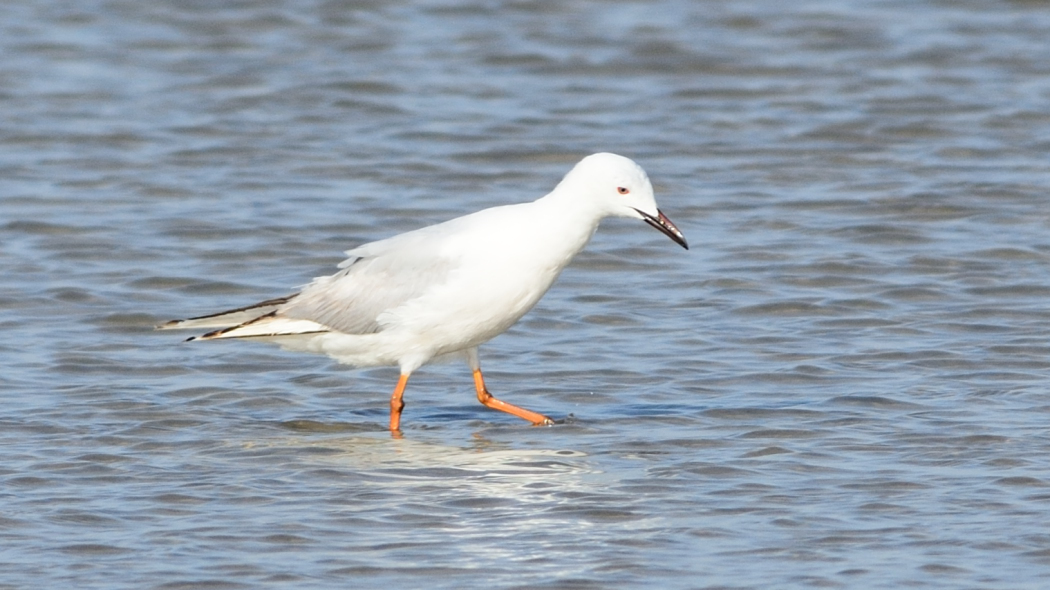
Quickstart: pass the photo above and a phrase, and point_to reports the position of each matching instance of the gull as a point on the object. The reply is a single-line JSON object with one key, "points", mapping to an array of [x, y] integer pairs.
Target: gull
{"points": [[443, 290]]}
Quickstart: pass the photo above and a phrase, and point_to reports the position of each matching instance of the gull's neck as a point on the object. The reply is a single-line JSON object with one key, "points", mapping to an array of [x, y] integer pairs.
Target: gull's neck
{"points": [[568, 218]]}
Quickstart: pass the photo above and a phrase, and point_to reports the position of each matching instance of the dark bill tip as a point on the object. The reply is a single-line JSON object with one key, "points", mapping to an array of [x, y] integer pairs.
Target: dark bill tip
{"points": [[666, 227]]}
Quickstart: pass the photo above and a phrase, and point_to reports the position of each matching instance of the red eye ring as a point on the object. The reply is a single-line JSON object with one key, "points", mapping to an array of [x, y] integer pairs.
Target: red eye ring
{"points": [[623, 190]]}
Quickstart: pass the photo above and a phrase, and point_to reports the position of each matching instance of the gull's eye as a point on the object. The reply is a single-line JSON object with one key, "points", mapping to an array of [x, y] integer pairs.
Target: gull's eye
{"points": [[623, 190]]}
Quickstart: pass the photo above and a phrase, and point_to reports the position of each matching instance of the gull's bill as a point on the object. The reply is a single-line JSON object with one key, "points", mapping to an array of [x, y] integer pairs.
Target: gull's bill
{"points": [[662, 223]]}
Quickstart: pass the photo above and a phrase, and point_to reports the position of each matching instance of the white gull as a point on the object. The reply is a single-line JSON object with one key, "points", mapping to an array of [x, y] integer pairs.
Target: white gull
{"points": [[447, 288]]}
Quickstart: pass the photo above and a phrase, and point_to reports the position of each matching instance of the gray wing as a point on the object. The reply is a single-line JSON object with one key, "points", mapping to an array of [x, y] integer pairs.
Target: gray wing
{"points": [[379, 276]]}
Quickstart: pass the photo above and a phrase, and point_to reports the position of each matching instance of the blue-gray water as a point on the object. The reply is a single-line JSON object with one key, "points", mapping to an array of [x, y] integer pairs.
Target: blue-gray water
{"points": [[843, 384]]}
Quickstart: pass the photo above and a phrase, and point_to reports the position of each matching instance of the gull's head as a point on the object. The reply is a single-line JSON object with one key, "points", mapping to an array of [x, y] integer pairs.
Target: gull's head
{"points": [[617, 186]]}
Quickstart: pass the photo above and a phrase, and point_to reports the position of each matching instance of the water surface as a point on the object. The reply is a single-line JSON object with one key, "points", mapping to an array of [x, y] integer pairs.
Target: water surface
{"points": [[842, 384]]}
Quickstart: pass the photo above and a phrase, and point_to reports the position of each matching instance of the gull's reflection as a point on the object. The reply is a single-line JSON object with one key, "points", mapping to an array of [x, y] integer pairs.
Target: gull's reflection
{"points": [[484, 468]]}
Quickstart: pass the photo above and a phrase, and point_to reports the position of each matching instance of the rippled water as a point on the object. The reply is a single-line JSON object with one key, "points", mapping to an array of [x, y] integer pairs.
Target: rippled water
{"points": [[843, 383]]}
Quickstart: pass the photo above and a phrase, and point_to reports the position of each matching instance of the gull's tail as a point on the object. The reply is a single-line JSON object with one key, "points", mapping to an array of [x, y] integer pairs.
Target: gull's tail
{"points": [[254, 321]]}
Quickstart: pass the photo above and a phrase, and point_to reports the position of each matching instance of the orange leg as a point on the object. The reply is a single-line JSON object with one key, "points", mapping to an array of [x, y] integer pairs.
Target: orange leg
{"points": [[486, 398], [396, 404]]}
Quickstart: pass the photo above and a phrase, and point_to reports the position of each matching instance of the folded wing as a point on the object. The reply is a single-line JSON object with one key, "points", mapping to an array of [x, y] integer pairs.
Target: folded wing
{"points": [[378, 277]]}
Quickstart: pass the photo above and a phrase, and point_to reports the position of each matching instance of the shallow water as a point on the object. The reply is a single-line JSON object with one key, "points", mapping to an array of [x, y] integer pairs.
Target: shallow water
{"points": [[842, 384]]}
